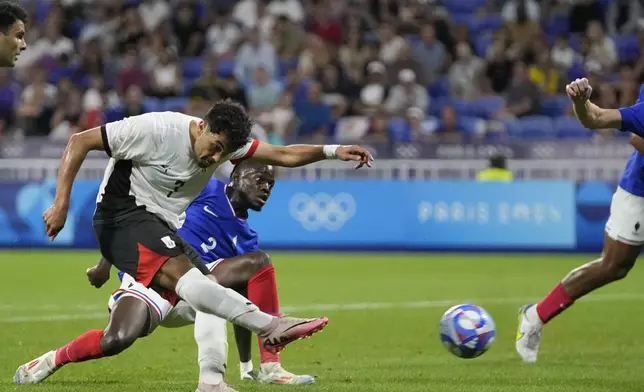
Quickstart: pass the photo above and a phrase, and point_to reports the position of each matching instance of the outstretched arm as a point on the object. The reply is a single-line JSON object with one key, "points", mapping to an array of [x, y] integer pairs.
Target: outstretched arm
{"points": [[630, 119], [303, 154]]}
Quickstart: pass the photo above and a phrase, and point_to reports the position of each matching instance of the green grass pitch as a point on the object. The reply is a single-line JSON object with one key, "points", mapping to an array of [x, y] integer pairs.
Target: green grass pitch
{"points": [[384, 311]]}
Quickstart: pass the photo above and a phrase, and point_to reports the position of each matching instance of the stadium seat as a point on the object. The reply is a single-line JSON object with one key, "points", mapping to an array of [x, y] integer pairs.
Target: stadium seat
{"points": [[174, 104], [192, 67], [398, 130], [486, 107], [463, 107], [576, 71], [225, 67], [489, 23], [470, 125], [556, 25], [569, 128], [437, 104], [531, 127], [113, 114], [482, 43], [628, 49], [439, 88], [58, 73], [152, 104], [555, 106], [463, 6]]}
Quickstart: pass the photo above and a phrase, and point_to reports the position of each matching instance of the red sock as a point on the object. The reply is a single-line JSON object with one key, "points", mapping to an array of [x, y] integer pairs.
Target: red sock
{"points": [[262, 291], [83, 348], [554, 303]]}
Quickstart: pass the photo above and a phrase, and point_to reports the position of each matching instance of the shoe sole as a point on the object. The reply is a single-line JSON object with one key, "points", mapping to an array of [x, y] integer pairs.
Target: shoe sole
{"points": [[318, 326]]}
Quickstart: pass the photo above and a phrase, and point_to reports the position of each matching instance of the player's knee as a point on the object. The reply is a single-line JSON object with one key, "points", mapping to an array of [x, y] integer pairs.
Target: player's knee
{"points": [[615, 267], [257, 261], [114, 342]]}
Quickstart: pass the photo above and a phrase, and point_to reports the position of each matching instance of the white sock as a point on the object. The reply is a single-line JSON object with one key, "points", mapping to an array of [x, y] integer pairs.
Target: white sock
{"points": [[212, 347], [245, 367], [207, 296], [532, 315]]}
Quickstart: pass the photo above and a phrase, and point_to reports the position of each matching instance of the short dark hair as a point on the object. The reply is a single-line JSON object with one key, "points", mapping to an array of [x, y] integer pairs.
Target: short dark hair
{"points": [[230, 118], [244, 166], [498, 161], [9, 14]]}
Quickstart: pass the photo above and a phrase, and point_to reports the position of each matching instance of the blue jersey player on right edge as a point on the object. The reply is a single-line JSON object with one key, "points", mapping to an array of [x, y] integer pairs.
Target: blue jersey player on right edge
{"points": [[624, 233]]}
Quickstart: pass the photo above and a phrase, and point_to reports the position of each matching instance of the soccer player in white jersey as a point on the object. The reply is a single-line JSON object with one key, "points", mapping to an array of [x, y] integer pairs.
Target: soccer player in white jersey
{"points": [[624, 233], [159, 164]]}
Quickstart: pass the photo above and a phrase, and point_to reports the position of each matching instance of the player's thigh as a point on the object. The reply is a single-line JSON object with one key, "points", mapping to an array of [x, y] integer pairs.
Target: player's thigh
{"points": [[175, 267], [624, 236], [148, 301], [129, 320], [139, 245], [236, 271]]}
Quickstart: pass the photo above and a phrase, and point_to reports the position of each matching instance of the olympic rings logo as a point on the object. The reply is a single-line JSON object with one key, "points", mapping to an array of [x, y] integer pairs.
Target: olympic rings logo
{"points": [[322, 211]]}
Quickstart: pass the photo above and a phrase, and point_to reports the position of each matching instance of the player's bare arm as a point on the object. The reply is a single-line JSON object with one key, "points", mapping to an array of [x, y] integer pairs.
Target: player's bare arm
{"points": [[590, 115], [302, 154], [75, 153], [637, 142]]}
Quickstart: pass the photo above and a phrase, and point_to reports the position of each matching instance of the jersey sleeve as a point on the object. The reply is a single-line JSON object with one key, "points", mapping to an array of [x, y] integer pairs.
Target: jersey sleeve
{"points": [[245, 152], [633, 119], [132, 138]]}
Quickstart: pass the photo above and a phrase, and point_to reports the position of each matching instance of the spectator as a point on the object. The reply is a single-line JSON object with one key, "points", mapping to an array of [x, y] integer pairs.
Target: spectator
{"points": [[134, 102], [324, 27], [36, 104], [338, 92], [544, 75], [378, 132], [352, 57], [416, 124], [563, 55], [497, 170], [92, 61], [230, 88], [602, 47], [465, 73], [511, 10], [67, 116], [280, 120], [287, 38], [523, 97], [429, 52], [499, 67], [263, 93], [523, 31], [407, 61], [131, 30], [448, 129], [374, 92], [166, 78], [582, 13], [291, 8], [8, 98], [131, 74], [254, 53], [53, 44], [627, 86], [622, 16], [187, 28], [245, 12], [313, 58], [206, 83], [153, 13], [223, 35], [391, 43], [313, 114], [406, 94]]}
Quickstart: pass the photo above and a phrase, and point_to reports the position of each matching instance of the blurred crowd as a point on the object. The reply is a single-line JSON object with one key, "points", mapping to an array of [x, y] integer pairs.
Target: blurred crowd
{"points": [[369, 70]]}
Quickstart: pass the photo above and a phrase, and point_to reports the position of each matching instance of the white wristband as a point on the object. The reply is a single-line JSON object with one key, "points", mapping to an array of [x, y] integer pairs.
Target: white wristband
{"points": [[331, 151]]}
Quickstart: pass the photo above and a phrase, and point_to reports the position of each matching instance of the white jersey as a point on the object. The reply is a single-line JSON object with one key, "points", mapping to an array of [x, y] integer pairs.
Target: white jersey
{"points": [[153, 166]]}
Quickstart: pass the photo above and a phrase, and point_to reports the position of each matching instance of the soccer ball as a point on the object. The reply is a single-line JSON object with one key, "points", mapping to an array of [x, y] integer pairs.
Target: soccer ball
{"points": [[467, 331]]}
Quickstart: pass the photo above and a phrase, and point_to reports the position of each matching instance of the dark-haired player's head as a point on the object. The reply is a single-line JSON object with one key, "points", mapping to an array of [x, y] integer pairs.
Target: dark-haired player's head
{"points": [[498, 161], [12, 32], [225, 128], [253, 182]]}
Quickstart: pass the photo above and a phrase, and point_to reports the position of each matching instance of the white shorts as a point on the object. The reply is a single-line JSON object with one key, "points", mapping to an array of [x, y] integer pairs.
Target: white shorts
{"points": [[626, 221], [169, 315]]}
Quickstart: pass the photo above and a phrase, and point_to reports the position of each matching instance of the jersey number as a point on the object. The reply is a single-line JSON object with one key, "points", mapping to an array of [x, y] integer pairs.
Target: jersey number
{"points": [[208, 247], [177, 185]]}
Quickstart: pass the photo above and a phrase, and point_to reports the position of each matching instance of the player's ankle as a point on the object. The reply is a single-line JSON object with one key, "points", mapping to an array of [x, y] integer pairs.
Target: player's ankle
{"points": [[245, 367]]}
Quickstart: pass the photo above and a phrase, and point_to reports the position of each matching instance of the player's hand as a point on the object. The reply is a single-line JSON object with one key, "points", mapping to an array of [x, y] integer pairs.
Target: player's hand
{"points": [[355, 153], [54, 218], [97, 276], [579, 91]]}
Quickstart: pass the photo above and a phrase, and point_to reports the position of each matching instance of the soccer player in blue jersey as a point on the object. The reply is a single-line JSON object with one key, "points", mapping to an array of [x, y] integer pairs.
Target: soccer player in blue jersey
{"points": [[624, 233], [216, 227]]}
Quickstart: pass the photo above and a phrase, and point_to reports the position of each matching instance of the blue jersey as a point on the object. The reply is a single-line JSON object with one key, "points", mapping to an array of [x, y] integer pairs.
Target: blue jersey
{"points": [[632, 180], [212, 228]]}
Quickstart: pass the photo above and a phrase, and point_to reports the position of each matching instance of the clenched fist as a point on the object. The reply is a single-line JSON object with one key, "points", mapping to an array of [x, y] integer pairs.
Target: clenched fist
{"points": [[579, 91]]}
